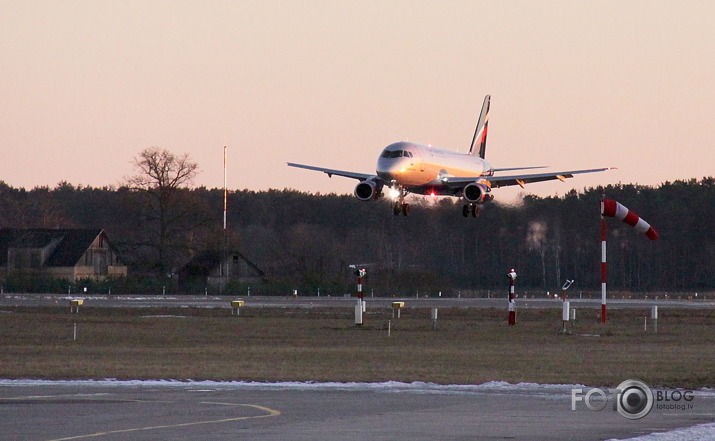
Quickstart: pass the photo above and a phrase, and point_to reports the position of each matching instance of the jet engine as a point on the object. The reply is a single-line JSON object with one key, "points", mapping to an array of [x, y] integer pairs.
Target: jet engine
{"points": [[476, 193], [368, 190]]}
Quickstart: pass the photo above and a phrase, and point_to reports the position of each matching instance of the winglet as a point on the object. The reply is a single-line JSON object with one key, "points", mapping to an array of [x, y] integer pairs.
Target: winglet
{"points": [[479, 141]]}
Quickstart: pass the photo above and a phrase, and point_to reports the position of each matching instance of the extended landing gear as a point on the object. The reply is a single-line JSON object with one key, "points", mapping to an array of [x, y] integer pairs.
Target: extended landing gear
{"points": [[474, 209], [400, 208]]}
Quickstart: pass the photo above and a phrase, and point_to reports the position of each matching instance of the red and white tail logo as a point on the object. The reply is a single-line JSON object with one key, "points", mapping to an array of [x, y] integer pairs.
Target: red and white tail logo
{"points": [[479, 141]]}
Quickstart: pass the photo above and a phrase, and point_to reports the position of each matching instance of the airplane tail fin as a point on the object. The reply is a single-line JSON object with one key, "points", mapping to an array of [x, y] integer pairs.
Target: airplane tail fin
{"points": [[479, 141]]}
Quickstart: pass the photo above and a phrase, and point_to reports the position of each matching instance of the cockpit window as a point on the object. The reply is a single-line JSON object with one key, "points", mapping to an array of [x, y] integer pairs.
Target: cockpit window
{"points": [[396, 154]]}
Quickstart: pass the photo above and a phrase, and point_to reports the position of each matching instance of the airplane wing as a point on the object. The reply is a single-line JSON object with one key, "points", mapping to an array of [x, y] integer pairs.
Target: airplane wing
{"points": [[521, 180], [330, 172]]}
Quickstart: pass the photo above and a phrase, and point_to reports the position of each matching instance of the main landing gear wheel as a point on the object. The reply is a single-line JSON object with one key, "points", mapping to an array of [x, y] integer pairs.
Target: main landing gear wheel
{"points": [[473, 209], [401, 208]]}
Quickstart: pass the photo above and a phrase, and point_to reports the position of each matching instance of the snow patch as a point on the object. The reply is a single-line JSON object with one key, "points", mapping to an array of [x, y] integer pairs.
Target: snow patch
{"points": [[701, 432]]}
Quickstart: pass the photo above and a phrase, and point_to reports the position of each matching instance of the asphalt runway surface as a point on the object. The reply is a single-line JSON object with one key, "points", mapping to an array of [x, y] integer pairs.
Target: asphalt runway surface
{"points": [[105, 410], [137, 301]]}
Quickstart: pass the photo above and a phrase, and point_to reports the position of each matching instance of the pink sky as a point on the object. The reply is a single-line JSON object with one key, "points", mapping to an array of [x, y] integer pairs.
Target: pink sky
{"points": [[86, 85]]}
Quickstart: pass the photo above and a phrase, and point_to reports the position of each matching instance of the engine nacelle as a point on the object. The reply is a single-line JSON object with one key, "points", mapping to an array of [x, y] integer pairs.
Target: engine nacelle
{"points": [[368, 190], [476, 193]]}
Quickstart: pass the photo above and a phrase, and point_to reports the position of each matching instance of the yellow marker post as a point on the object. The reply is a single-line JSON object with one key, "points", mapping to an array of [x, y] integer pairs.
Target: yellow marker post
{"points": [[235, 307], [396, 306], [75, 304]]}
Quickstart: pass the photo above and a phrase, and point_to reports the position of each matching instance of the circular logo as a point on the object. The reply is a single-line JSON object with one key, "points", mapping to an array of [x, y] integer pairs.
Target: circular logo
{"points": [[635, 399]]}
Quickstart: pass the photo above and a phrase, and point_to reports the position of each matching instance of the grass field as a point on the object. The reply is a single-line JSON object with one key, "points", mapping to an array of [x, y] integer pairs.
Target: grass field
{"points": [[469, 346]]}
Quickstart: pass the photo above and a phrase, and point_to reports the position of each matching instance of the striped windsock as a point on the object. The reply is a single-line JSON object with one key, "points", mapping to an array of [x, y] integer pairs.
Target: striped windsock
{"points": [[612, 208]]}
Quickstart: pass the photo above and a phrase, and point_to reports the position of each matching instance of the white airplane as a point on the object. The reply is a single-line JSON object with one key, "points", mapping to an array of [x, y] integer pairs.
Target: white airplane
{"points": [[406, 167]]}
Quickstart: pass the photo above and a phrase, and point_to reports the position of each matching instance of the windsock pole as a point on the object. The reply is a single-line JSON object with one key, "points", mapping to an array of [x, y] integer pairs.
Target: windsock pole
{"points": [[604, 234], [611, 208]]}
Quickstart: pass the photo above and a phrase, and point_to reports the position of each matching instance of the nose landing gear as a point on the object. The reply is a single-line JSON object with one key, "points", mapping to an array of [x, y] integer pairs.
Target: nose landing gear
{"points": [[400, 206]]}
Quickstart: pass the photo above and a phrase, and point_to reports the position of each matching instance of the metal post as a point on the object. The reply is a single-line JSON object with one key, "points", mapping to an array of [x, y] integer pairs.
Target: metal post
{"points": [[223, 272]]}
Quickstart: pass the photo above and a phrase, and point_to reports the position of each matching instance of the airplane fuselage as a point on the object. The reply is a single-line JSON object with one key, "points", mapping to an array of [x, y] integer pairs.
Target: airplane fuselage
{"points": [[406, 167], [419, 165]]}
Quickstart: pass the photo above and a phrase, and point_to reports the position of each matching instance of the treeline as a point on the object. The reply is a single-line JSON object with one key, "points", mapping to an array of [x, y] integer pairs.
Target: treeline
{"points": [[307, 241]]}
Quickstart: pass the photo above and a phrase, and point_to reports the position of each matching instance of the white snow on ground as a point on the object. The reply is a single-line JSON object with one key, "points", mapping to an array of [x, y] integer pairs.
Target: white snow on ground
{"points": [[558, 390], [386, 386], [702, 432]]}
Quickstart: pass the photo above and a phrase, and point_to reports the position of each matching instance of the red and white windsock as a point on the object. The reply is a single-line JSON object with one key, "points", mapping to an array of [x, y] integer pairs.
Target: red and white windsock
{"points": [[615, 209]]}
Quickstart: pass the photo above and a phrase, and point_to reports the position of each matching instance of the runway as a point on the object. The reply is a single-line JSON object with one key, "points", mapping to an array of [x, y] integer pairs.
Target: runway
{"points": [[112, 410], [137, 301]]}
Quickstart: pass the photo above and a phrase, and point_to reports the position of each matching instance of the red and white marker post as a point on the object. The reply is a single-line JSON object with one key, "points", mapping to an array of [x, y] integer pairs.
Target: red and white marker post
{"points": [[512, 298], [360, 307]]}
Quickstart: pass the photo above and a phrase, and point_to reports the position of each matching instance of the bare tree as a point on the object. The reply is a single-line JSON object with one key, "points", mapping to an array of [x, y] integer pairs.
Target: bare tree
{"points": [[161, 175]]}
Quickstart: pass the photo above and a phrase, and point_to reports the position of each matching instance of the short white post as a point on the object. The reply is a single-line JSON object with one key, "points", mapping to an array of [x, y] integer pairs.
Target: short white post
{"points": [[74, 336], [358, 313], [565, 315], [434, 319], [654, 317]]}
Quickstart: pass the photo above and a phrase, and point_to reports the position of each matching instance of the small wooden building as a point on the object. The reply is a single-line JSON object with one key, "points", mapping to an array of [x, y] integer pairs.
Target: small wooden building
{"points": [[60, 253], [210, 269]]}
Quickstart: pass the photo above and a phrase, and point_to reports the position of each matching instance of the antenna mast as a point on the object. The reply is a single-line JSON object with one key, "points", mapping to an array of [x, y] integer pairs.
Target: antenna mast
{"points": [[225, 203], [224, 273]]}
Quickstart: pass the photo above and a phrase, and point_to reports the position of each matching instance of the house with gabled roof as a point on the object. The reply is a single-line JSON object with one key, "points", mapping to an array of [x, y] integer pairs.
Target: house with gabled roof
{"points": [[61, 253], [210, 268]]}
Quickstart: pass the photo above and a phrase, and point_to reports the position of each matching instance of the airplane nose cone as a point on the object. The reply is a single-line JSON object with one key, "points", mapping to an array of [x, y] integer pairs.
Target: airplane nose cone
{"points": [[389, 168]]}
